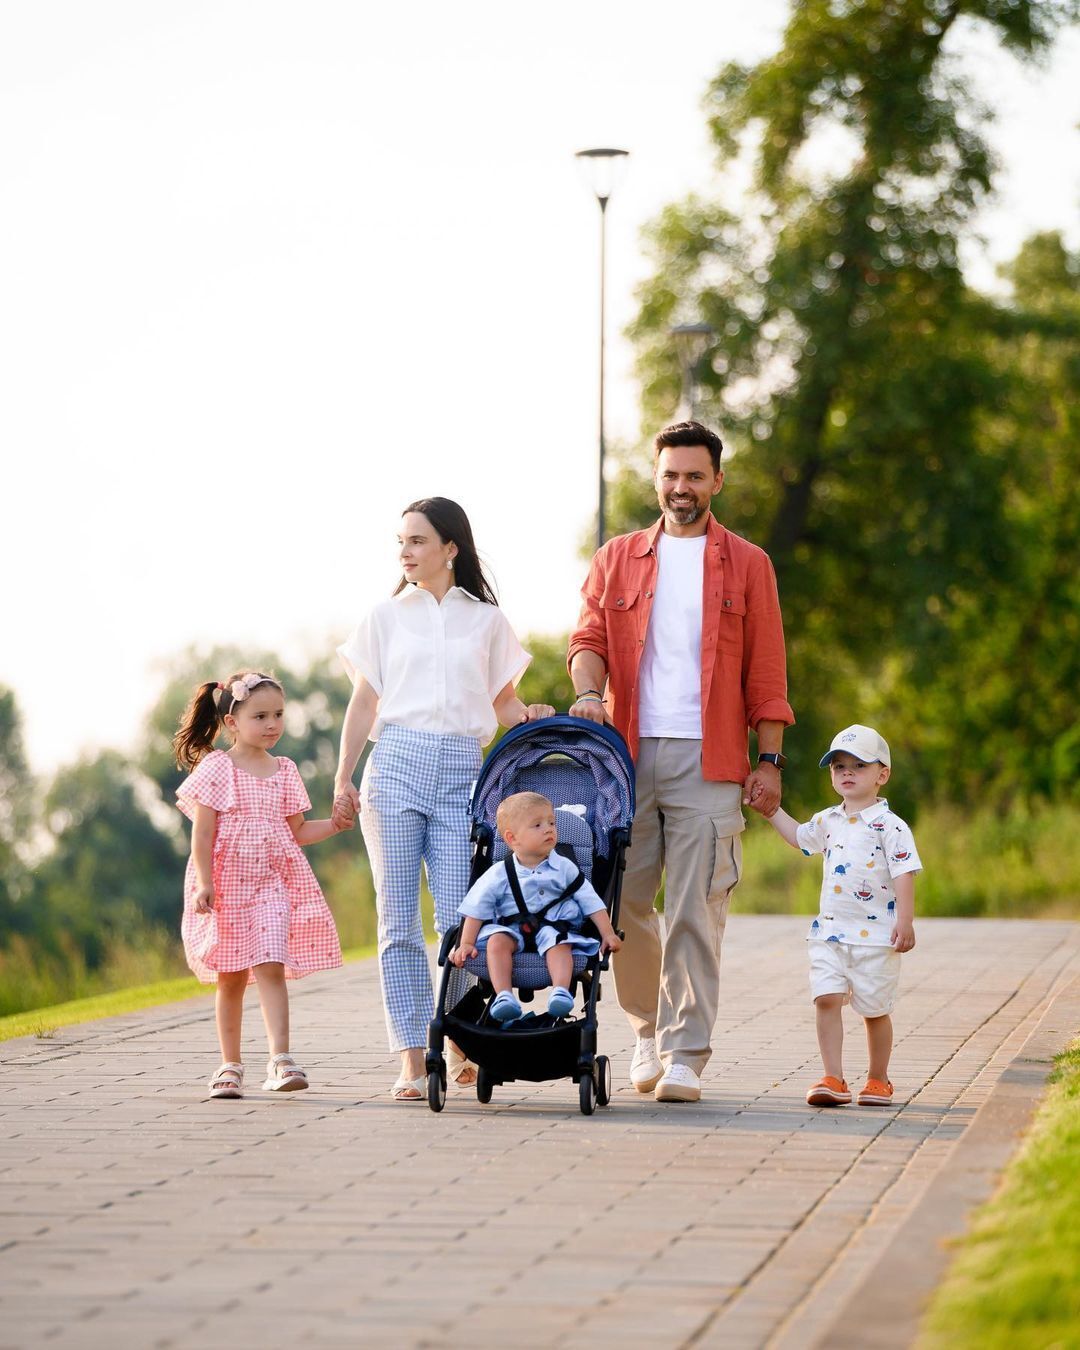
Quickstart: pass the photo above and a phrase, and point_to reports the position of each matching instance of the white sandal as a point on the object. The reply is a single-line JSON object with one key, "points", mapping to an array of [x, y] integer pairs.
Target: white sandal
{"points": [[405, 1088], [283, 1074], [227, 1082]]}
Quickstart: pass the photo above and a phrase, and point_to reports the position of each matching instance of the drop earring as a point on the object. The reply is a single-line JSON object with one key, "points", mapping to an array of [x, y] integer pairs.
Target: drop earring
{"points": [[449, 564]]}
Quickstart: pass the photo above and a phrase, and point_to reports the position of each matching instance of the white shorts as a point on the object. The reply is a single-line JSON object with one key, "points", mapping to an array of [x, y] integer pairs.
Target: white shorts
{"points": [[866, 976]]}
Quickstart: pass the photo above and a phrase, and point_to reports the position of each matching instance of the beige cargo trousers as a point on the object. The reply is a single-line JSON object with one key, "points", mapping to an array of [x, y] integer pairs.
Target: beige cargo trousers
{"points": [[687, 830]]}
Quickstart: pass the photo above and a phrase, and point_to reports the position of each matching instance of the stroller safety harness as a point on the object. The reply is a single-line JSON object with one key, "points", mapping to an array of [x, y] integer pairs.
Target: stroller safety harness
{"points": [[530, 921]]}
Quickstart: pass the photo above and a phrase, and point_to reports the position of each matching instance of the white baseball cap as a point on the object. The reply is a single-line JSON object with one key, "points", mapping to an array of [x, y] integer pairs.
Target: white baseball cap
{"points": [[862, 742]]}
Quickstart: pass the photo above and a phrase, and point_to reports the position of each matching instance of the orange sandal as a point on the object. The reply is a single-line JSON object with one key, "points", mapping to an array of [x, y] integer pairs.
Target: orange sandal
{"points": [[876, 1093], [829, 1092]]}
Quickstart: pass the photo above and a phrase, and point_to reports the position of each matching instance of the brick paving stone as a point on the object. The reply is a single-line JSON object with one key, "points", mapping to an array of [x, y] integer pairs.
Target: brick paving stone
{"points": [[133, 1213]]}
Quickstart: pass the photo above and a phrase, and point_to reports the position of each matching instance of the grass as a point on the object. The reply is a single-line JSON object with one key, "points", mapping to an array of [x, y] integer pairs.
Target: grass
{"points": [[1013, 1284], [45, 1022]]}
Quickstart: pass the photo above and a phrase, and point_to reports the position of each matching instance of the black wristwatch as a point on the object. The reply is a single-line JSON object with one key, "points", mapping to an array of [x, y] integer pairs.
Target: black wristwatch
{"points": [[770, 757]]}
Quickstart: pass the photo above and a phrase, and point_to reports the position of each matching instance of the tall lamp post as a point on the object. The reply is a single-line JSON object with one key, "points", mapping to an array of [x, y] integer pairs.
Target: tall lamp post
{"points": [[603, 168], [691, 343]]}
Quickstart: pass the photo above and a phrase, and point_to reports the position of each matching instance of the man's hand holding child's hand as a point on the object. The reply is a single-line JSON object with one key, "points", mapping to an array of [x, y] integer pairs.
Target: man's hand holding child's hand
{"points": [[462, 954]]}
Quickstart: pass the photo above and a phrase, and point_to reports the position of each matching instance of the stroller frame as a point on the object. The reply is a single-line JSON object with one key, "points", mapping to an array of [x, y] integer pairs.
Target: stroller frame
{"points": [[567, 1047]]}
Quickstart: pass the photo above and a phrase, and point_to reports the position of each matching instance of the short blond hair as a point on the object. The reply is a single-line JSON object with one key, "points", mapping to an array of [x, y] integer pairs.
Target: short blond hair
{"points": [[512, 808]]}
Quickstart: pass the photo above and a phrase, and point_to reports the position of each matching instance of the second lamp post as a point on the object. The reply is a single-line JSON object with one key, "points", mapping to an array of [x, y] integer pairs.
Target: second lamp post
{"points": [[603, 167]]}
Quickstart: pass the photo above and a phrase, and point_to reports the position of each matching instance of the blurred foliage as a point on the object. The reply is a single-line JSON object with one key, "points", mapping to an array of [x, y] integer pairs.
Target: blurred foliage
{"points": [[111, 870], [1017, 863], [903, 447], [546, 680], [16, 811]]}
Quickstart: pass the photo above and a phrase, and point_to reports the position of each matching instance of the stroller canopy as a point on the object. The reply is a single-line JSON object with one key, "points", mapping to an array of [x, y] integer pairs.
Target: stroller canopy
{"points": [[583, 764]]}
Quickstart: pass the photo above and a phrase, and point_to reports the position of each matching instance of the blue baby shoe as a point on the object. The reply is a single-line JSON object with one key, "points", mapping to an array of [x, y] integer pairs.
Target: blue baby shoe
{"points": [[505, 1007], [561, 1002]]}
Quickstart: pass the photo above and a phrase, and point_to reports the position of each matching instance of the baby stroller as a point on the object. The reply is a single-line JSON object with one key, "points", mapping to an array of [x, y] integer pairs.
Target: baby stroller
{"points": [[585, 770]]}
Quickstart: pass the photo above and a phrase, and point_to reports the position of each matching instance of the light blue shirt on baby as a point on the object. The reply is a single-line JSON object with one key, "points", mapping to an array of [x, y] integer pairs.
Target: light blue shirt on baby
{"points": [[489, 898]]}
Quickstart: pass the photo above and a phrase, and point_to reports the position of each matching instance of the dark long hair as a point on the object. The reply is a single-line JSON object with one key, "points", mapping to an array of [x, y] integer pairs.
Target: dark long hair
{"points": [[203, 717], [452, 526]]}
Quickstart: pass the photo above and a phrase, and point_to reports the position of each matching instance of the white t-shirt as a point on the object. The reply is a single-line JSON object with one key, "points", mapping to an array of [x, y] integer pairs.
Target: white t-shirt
{"points": [[436, 667], [669, 677]]}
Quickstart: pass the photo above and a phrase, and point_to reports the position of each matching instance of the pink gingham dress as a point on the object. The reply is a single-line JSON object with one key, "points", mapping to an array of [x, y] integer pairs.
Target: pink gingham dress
{"points": [[267, 903]]}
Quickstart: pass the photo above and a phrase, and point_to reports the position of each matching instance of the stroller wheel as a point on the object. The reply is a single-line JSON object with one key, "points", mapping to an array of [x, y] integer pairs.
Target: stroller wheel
{"points": [[484, 1086], [603, 1080], [587, 1090], [436, 1090]]}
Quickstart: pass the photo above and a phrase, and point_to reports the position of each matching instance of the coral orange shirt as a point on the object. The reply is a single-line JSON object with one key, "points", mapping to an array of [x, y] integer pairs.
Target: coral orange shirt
{"points": [[743, 663]]}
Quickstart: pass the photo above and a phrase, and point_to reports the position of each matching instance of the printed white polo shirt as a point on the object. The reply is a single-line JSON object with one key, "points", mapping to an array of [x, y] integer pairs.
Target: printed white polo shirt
{"points": [[862, 854]]}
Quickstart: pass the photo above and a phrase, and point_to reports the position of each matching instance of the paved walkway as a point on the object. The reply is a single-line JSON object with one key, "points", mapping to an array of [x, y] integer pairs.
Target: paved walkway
{"points": [[135, 1214]]}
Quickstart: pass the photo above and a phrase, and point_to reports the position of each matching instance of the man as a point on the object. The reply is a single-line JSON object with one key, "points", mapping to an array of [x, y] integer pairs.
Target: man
{"points": [[681, 627]]}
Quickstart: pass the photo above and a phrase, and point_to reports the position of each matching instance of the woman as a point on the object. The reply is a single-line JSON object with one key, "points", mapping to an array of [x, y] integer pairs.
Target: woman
{"points": [[433, 671]]}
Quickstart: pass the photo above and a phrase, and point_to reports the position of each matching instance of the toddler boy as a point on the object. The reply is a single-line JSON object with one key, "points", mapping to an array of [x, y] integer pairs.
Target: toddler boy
{"points": [[867, 912], [555, 894]]}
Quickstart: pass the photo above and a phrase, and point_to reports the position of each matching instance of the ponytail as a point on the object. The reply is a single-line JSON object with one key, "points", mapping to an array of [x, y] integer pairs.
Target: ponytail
{"points": [[199, 727]]}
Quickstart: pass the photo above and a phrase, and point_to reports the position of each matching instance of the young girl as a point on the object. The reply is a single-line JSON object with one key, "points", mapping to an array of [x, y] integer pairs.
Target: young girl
{"points": [[252, 907]]}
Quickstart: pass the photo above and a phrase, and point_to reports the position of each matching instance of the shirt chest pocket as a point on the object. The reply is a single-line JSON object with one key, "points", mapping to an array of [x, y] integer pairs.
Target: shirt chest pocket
{"points": [[732, 619], [620, 607]]}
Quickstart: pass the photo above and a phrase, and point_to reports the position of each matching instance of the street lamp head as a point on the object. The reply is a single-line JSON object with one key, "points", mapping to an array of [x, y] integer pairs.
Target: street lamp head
{"points": [[602, 170], [691, 342]]}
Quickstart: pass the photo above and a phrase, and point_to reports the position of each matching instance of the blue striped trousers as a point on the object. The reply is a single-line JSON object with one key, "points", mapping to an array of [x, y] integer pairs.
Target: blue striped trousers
{"points": [[414, 808]]}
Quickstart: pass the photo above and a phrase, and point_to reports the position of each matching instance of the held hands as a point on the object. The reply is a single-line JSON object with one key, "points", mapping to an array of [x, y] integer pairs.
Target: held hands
{"points": [[761, 791], [462, 954], [204, 900], [903, 936], [346, 807]]}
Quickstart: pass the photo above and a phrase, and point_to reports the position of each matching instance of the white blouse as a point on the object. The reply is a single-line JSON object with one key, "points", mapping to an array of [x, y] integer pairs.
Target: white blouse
{"points": [[436, 667]]}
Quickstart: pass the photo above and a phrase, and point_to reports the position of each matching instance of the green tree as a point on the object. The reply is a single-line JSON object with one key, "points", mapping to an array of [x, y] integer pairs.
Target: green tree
{"points": [[850, 359], [112, 871], [1007, 693], [16, 814]]}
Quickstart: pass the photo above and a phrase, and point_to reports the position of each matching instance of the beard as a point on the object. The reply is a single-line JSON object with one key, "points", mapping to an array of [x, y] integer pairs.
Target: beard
{"points": [[683, 514]]}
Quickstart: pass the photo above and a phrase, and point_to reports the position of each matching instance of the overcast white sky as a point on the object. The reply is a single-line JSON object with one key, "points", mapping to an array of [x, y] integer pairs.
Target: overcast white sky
{"points": [[271, 271]]}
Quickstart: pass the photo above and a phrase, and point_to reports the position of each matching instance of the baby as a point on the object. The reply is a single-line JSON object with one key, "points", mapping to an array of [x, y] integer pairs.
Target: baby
{"points": [[536, 900]]}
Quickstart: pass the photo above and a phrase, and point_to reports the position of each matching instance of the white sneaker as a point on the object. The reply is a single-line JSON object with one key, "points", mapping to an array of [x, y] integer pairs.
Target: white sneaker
{"points": [[645, 1068], [679, 1084]]}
